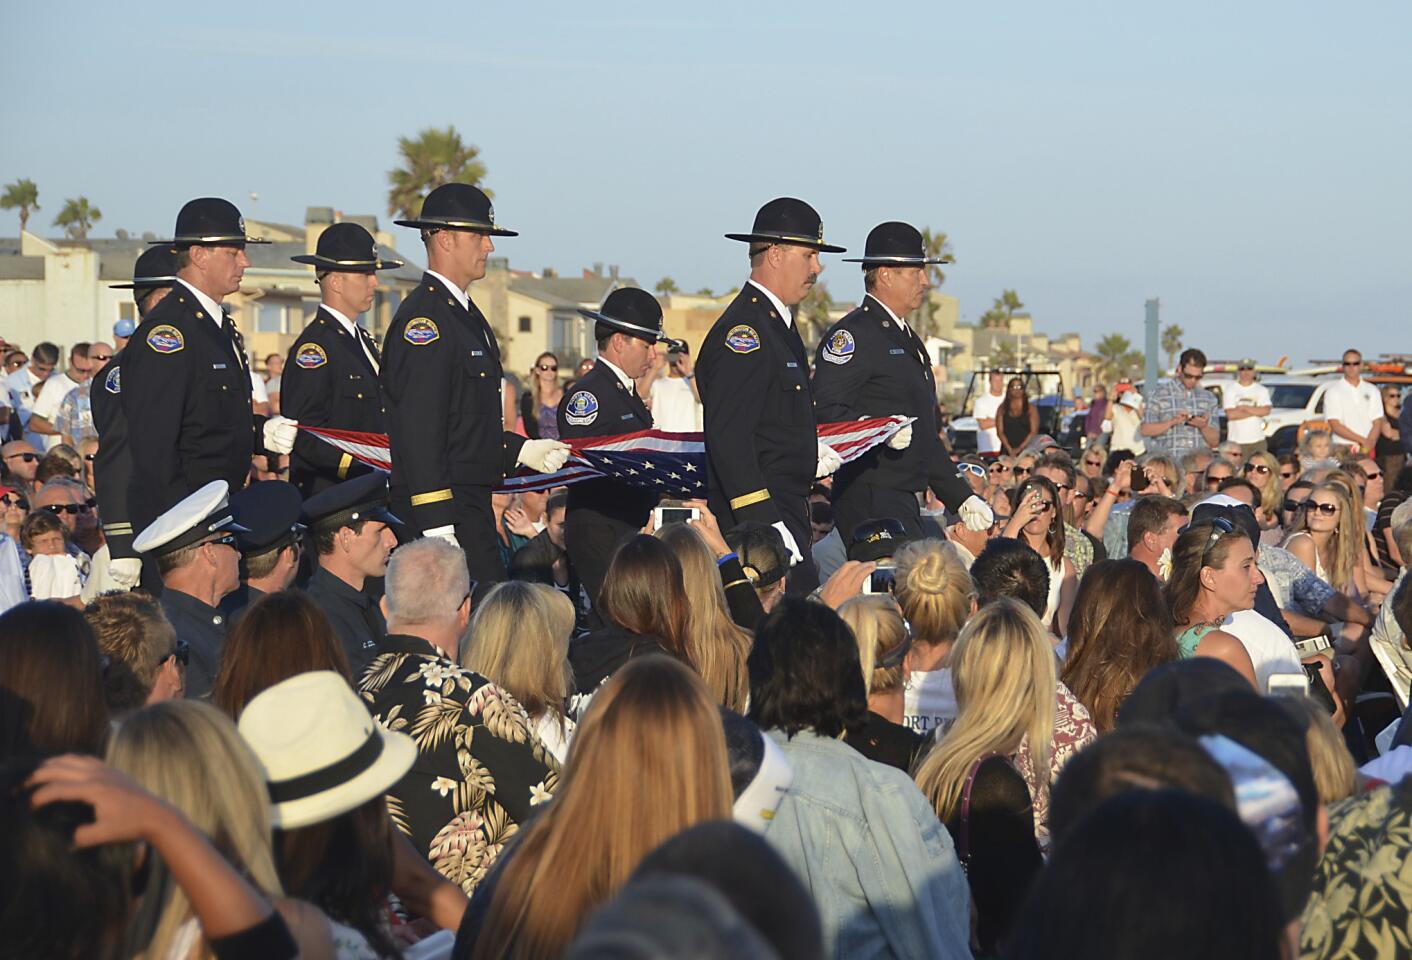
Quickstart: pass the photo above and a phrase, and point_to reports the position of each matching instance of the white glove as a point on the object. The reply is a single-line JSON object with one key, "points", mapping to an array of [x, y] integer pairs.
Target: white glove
{"points": [[976, 514], [902, 439], [794, 555], [280, 433], [125, 572], [828, 462], [447, 533], [544, 456]]}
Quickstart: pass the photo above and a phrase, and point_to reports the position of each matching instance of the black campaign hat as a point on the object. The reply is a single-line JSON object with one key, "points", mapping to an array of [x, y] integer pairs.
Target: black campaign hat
{"points": [[895, 244], [209, 221], [347, 248], [632, 311], [269, 512], [457, 206], [155, 267], [362, 498], [877, 539], [788, 220]]}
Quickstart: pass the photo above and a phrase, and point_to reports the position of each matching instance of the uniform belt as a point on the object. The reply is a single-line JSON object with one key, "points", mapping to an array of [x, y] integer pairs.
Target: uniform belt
{"points": [[436, 496]]}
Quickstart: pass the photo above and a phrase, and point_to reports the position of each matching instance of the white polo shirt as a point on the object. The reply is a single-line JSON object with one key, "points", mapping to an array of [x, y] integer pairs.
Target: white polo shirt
{"points": [[1356, 407], [1246, 429]]}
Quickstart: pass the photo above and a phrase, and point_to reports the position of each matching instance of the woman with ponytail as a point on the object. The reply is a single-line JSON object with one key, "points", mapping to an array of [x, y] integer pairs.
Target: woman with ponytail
{"points": [[936, 595]]}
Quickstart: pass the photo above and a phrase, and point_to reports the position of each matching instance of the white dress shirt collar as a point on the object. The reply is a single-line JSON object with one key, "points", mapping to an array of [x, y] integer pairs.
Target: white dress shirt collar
{"points": [[785, 313], [212, 307], [347, 324], [901, 324], [623, 378], [461, 296]]}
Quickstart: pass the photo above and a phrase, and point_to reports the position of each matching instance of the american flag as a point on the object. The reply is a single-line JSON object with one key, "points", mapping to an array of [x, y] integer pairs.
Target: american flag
{"points": [[673, 464]]}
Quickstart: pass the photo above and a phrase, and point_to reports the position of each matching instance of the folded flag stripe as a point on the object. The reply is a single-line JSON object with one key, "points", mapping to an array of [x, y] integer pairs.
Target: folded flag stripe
{"points": [[673, 464]]}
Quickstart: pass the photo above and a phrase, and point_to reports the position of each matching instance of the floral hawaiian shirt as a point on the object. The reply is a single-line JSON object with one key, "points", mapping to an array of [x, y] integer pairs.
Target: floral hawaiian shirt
{"points": [[480, 770]]}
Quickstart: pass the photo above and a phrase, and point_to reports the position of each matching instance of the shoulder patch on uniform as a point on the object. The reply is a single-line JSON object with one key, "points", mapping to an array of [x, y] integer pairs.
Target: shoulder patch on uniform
{"points": [[421, 331], [840, 347], [742, 338], [113, 382], [165, 338], [311, 356], [582, 409]]}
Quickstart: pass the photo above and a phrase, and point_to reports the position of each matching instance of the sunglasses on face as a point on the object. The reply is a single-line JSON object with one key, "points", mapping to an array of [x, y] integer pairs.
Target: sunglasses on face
{"points": [[90, 457], [1286, 474], [1375, 475], [16, 364], [16, 501], [1292, 506], [1353, 363], [547, 368], [1093, 463], [100, 358], [999, 468], [69, 508], [1259, 468], [225, 540], [182, 652], [973, 469], [1021, 470], [26, 457], [1214, 482], [1327, 509]]}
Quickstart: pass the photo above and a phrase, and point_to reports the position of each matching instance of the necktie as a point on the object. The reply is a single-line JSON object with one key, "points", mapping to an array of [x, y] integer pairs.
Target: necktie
{"points": [[369, 347], [237, 342]]}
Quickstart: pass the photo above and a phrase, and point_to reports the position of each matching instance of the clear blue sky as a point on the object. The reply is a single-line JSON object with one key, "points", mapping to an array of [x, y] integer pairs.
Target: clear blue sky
{"points": [[1249, 163]]}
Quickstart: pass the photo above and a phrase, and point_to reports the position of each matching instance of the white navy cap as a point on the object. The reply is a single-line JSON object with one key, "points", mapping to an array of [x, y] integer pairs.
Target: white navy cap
{"points": [[194, 519]]}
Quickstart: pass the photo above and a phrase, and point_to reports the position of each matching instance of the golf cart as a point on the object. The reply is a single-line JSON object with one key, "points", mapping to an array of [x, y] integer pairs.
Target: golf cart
{"points": [[1045, 388]]}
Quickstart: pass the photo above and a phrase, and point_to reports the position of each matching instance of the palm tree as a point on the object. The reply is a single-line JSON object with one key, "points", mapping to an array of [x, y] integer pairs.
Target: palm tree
{"points": [[435, 157], [935, 244], [1003, 354], [1009, 303], [813, 314], [993, 318], [666, 286], [1117, 360], [77, 218], [705, 292], [1172, 343], [23, 193]]}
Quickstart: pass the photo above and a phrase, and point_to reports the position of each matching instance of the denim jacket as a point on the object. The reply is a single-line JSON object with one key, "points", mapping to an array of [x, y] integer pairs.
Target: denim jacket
{"points": [[869, 847]]}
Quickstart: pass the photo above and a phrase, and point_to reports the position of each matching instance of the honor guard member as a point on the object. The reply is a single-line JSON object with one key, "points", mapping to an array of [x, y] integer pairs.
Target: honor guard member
{"points": [[349, 526], [185, 380], [604, 401], [194, 544], [872, 364], [152, 279], [331, 375], [762, 445], [441, 376], [271, 545]]}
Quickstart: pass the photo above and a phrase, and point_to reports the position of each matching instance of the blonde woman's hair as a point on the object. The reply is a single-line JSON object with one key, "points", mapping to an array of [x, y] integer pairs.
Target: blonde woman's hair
{"points": [[878, 627], [1335, 773], [715, 645], [519, 640], [1271, 494], [934, 590], [1003, 668], [191, 755], [1344, 550], [648, 761]]}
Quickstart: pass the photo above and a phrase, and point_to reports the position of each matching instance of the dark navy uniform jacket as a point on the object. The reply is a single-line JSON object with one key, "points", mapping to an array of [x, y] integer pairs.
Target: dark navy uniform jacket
{"points": [[203, 627], [328, 382], [446, 423], [867, 366], [356, 618], [601, 405], [186, 396], [112, 466], [761, 435]]}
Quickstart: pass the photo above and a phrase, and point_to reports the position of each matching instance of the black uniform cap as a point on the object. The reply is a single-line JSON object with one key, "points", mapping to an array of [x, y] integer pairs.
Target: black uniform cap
{"points": [[457, 206], [269, 511], [347, 248], [362, 498], [211, 222], [631, 311], [876, 539], [791, 221], [895, 244], [155, 267]]}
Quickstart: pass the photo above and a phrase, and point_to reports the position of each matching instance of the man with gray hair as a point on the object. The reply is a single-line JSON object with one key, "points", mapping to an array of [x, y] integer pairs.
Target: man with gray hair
{"points": [[480, 770], [1388, 642]]}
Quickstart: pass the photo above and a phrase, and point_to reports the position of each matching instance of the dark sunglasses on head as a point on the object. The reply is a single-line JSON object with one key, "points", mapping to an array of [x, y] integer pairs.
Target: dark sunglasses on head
{"points": [[69, 508], [26, 457], [1328, 509], [1220, 527]]}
